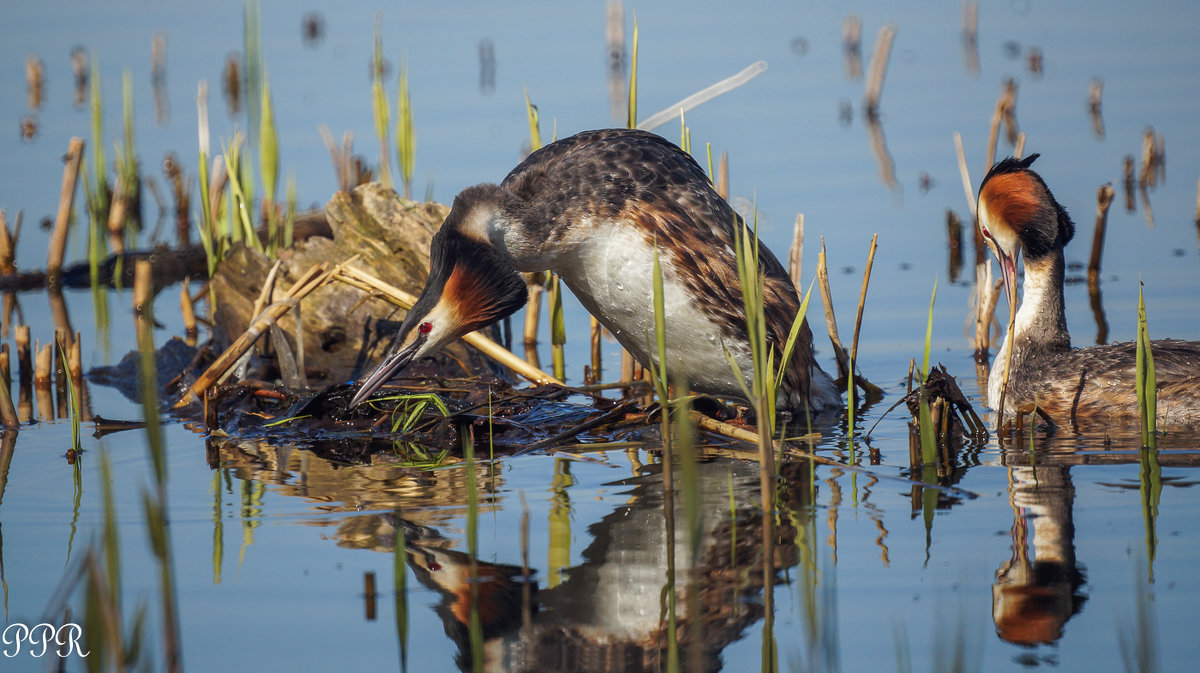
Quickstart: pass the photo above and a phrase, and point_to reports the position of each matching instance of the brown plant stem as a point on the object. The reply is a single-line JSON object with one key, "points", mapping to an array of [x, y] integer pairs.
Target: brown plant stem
{"points": [[66, 202]]}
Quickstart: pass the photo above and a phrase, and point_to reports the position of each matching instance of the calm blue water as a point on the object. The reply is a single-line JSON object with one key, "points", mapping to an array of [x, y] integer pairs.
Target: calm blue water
{"points": [[270, 551]]}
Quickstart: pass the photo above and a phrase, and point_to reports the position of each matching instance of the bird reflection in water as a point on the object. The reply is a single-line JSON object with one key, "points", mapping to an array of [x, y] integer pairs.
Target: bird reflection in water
{"points": [[1041, 587], [606, 613]]}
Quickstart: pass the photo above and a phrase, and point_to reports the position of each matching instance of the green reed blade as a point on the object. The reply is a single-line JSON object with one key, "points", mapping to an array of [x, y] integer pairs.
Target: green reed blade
{"points": [[406, 139], [631, 118], [660, 331], [535, 124], [1146, 382], [924, 418], [218, 521], [400, 587], [793, 334], [475, 627], [268, 147], [379, 105], [252, 37], [929, 332], [99, 165]]}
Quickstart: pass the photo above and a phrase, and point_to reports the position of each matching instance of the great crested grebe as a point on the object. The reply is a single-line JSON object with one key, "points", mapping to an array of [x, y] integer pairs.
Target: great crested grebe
{"points": [[592, 208], [1017, 213]]}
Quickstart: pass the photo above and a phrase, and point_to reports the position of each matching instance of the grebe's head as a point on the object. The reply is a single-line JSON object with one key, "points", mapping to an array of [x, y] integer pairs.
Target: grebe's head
{"points": [[471, 285], [1016, 212]]}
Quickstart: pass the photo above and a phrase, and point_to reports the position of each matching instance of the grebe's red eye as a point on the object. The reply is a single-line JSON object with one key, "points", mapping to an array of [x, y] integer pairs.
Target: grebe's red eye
{"points": [[425, 328]]}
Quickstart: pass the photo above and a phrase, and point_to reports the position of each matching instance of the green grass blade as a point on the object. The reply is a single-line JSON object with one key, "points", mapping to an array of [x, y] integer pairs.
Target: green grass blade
{"points": [[660, 329], [379, 104], [252, 35], [793, 335], [631, 118], [1146, 382], [924, 418], [99, 164], [406, 139], [929, 333], [400, 585], [535, 124], [268, 144]]}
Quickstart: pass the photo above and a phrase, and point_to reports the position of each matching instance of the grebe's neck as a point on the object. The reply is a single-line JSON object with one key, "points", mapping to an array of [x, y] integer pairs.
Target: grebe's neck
{"points": [[1041, 323]]}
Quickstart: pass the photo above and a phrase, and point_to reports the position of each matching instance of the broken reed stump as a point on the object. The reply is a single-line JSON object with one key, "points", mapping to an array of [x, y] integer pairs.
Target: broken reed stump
{"points": [[66, 202], [954, 228], [188, 309], [346, 331], [852, 47], [1095, 94], [796, 254], [1104, 198], [877, 70], [8, 244]]}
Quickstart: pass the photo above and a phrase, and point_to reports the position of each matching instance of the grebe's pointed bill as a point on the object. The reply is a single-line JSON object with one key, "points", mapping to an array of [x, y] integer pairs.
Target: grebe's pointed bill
{"points": [[397, 358]]}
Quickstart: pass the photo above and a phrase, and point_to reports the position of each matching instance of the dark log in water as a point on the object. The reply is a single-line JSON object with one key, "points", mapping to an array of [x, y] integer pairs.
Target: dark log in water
{"points": [[344, 328]]}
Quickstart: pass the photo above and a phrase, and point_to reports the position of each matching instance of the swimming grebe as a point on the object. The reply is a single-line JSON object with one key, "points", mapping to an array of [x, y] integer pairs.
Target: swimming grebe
{"points": [[591, 208], [1017, 213]]}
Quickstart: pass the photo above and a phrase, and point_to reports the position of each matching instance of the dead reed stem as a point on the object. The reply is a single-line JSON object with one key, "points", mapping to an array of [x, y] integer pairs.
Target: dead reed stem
{"points": [[75, 370], [364, 281], [43, 364], [1130, 201], [1002, 114], [58, 310], [966, 175], [887, 166], [143, 286], [188, 309], [315, 277], [66, 202], [595, 339], [987, 295], [8, 245], [60, 372], [116, 219], [1009, 100], [1152, 158], [796, 253], [1095, 94], [535, 283], [852, 47], [954, 238], [1012, 319], [75, 359], [1104, 198], [5, 364], [723, 176], [970, 37], [25, 370], [877, 70], [839, 353], [41, 381], [614, 41], [8, 412], [1198, 204]]}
